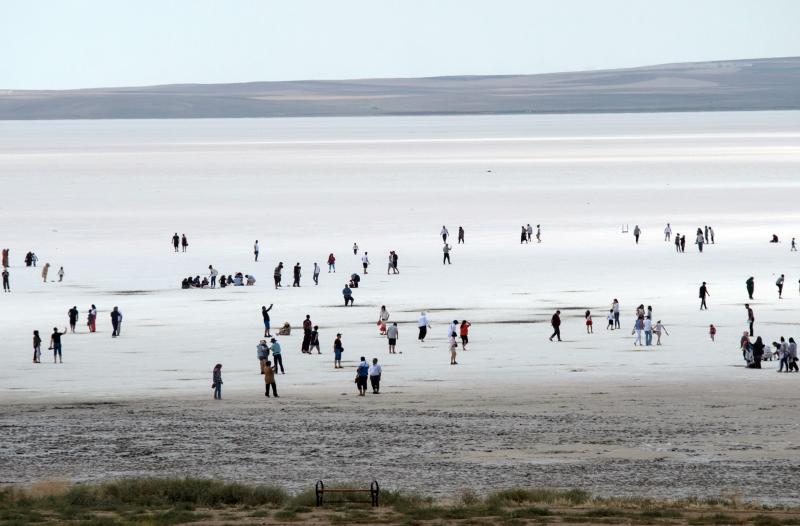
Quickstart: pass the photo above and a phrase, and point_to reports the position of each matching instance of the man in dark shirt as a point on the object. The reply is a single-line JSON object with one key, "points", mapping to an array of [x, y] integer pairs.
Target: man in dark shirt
{"points": [[703, 294], [116, 318], [555, 321], [55, 344]]}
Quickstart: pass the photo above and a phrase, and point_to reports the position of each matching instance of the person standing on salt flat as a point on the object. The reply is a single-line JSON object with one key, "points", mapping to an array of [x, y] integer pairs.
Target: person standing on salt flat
{"points": [[72, 315], [751, 286], [184, 242], [523, 236], [648, 331], [779, 284], [751, 318], [216, 381], [306, 344], [452, 328], [365, 261], [555, 321], [538, 234], [390, 266], [355, 249], [711, 233], [37, 347], [315, 275], [794, 246], [659, 328], [678, 242], [314, 340], [667, 232], [638, 327], [277, 274], [453, 348], [262, 353], [60, 274], [460, 235], [176, 241], [331, 263], [212, 272], [703, 294], [683, 243], [700, 240], [116, 322], [636, 233], [55, 344], [265, 316], [5, 258], [615, 308], [392, 333], [589, 323], [91, 318], [394, 262], [706, 233], [337, 351], [446, 257], [444, 233], [610, 318], [296, 275], [276, 355], [256, 249], [464, 333], [45, 270], [529, 231], [269, 381], [423, 326], [6, 283]]}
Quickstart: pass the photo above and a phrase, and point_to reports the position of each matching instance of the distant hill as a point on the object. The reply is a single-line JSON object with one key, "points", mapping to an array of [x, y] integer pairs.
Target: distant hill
{"points": [[735, 85]]}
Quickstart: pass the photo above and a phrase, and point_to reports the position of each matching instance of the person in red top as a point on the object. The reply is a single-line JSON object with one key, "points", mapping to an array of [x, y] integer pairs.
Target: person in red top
{"points": [[331, 263], [465, 325]]}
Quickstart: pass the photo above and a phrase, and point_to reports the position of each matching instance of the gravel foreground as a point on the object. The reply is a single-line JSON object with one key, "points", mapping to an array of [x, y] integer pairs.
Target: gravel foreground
{"points": [[665, 441]]}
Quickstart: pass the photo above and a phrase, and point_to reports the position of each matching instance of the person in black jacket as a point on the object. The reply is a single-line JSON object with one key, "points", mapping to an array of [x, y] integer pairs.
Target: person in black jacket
{"points": [[116, 319], [703, 294], [555, 321]]}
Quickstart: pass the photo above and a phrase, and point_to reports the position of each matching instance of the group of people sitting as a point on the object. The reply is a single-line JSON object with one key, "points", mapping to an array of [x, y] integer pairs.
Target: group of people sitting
{"points": [[756, 352], [237, 280]]}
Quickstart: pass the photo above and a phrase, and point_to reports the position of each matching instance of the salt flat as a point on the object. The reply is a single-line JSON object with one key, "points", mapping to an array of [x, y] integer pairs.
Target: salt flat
{"points": [[103, 198]]}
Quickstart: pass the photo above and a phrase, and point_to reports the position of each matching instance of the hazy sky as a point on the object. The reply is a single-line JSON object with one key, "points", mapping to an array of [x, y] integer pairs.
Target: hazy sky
{"points": [[87, 43]]}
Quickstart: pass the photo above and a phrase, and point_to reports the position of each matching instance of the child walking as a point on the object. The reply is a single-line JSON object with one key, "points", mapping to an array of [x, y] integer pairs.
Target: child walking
{"points": [[588, 317]]}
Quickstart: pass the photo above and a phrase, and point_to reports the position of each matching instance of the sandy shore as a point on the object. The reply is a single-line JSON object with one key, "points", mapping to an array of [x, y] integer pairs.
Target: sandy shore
{"points": [[662, 439]]}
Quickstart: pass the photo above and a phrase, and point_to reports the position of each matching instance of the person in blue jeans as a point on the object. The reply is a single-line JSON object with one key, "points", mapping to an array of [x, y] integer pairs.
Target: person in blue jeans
{"points": [[216, 381], [55, 344], [361, 377], [276, 355]]}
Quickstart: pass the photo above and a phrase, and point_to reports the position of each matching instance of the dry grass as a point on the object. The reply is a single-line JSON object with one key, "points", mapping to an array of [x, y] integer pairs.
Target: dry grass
{"points": [[200, 501]]}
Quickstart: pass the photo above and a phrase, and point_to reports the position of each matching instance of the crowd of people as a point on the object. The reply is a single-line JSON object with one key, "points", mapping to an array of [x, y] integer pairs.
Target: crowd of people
{"points": [[646, 331]]}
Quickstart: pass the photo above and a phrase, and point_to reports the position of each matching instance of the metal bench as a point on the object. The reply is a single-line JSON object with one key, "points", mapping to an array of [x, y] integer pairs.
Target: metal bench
{"points": [[374, 491]]}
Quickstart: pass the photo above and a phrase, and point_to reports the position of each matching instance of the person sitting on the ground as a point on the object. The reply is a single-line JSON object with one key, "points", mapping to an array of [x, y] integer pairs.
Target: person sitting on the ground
{"points": [[354, 279], [238, 280], [251, 280], [223, 281], [286, 330], [774, 238], [185, 283], [204, 283], [196, 282], [348, 296]]}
